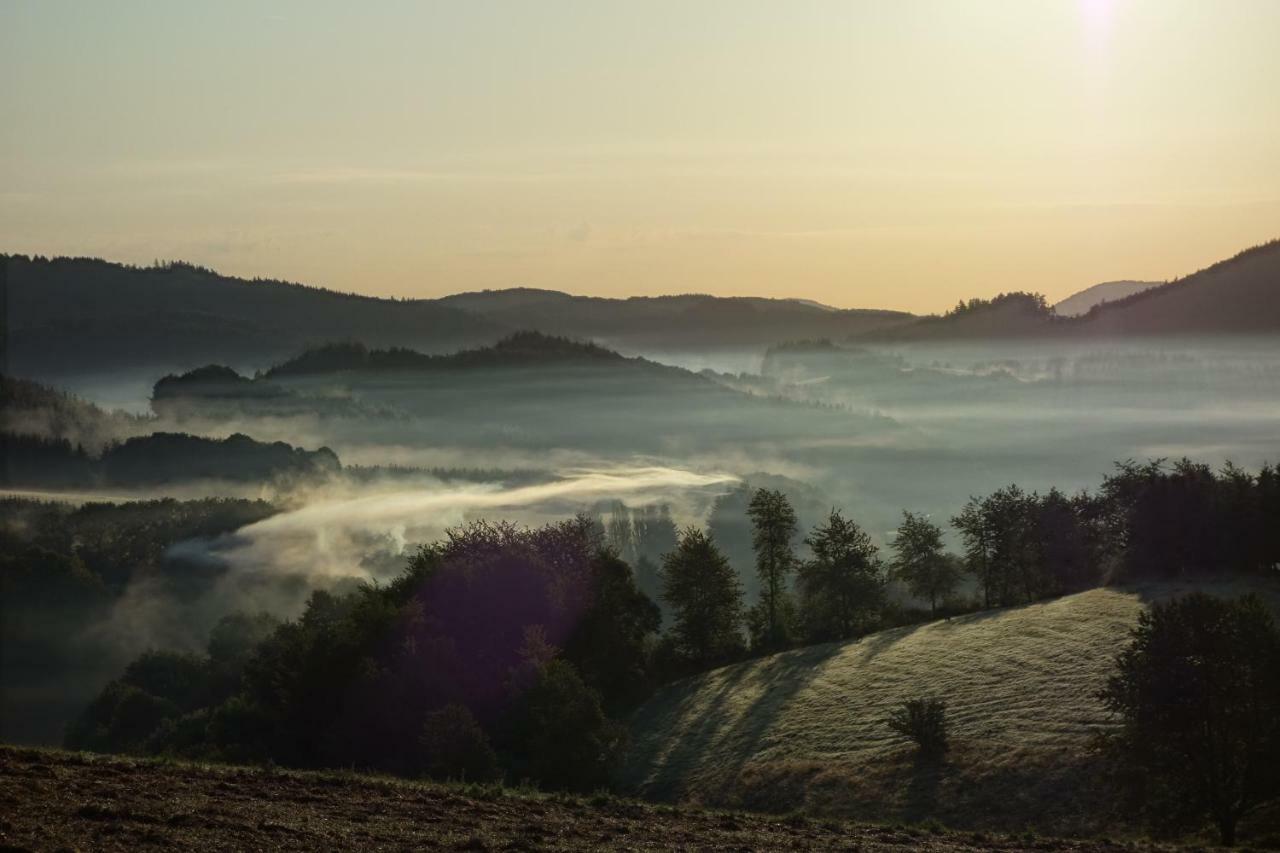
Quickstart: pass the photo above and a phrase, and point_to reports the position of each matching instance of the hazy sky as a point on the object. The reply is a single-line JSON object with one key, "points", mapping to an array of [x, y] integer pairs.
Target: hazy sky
{"points": [[882, 154]]}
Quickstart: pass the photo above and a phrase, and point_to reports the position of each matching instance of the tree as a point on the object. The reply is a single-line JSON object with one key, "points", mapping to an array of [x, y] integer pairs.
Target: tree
{"points": [[705, 597], [1197, 694], [920, 562], [773, 527], [843, 585], [973, 527], [612, 641]]}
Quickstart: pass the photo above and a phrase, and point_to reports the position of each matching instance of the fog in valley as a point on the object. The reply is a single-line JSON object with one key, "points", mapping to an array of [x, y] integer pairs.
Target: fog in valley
{"points": [[871, 429]]}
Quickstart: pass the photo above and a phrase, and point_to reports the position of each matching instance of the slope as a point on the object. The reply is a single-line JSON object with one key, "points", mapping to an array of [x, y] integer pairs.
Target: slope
{"points": [[66, 801], [807, 728], [1108, 291], [1240, 295]]}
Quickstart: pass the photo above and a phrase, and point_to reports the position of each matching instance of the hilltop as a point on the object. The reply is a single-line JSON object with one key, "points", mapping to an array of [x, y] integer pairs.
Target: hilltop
{"points": [[688, 320], [60, 800], [522, 349], [805, 729], [1108, 291], [1240, 295]]}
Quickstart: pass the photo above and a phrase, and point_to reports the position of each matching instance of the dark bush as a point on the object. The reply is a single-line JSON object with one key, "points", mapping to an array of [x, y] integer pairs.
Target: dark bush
{"points": [[455, 747], [925, 722]]}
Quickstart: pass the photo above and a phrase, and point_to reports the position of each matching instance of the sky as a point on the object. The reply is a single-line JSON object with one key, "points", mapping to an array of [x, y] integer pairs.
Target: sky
{"points": [[863, 154]]}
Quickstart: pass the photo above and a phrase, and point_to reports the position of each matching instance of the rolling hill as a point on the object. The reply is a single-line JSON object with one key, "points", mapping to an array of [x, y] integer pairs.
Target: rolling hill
{"points": [[81, 315], [527, 390], [806, 729], [1108, 291], [84, 315]]}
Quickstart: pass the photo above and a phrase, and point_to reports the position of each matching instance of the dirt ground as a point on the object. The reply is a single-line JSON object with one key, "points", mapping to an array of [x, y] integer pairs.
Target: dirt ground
{"points": [[52, 800]]}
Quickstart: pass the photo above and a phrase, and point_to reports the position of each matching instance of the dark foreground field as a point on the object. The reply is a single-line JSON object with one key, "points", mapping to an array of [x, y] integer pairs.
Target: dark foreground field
{"points": [[65, 801]]}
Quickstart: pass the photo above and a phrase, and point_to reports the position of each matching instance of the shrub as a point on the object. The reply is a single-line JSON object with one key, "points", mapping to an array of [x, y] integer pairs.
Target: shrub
{"points": [[455, 747], [925, 722]]}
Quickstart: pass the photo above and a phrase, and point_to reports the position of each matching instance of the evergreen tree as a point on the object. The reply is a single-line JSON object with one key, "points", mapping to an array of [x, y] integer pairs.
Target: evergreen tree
{"points": [[705, 599]]}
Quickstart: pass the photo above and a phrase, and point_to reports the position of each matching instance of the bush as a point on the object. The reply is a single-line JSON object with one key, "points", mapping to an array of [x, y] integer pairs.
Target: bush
{"points": [[455, 747], [925, 722], [567, 741]]}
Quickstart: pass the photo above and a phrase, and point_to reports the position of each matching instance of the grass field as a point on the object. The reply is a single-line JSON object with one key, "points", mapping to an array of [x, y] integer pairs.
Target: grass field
{"points": [[53, 800], [806, 729]]}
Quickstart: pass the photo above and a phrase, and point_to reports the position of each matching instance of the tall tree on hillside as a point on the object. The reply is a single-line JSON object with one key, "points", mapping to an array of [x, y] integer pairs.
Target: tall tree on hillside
{"points": [[920, 561], [1066, 543], [1197, 695], [842, 587], [612, 642], [773, 523], [705, 598], [978, 547]]}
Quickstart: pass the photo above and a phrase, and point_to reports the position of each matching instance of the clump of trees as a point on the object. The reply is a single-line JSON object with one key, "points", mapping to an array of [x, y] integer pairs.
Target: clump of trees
{"points": [[1029, 303], [499, 650], [1197, 696]]}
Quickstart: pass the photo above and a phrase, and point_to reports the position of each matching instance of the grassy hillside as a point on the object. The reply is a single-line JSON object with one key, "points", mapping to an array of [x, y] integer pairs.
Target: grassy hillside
{"points": [[66, 801], [805, 729]]}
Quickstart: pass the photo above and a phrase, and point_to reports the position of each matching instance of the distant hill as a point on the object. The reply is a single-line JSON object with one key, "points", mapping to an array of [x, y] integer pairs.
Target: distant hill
{"points": [[34, 461], [80, 315], [29, 408], [528, 390], [1109, 291], [692, 320], [1240, 295], [805, 729]]}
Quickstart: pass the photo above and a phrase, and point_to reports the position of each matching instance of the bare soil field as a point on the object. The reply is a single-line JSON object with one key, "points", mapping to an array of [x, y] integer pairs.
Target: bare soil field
{"points": [[52, 800]]}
